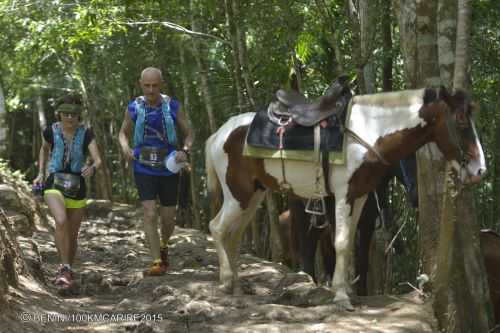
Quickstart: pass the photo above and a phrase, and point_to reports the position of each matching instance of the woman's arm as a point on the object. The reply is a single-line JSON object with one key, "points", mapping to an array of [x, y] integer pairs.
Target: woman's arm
{"points": [[42, 163], [96, 158]]}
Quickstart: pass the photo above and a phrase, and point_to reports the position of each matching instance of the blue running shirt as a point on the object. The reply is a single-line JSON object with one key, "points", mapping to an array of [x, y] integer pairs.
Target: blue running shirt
{"points": [[154, 134]]}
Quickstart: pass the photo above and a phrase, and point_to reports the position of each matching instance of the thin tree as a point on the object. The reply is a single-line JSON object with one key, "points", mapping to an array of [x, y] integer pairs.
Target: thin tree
{"points": [[187, 109], [3, 125]]}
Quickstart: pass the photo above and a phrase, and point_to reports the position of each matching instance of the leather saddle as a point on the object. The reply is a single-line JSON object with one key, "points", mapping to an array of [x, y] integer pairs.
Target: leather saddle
{"points": [[291, 104]]}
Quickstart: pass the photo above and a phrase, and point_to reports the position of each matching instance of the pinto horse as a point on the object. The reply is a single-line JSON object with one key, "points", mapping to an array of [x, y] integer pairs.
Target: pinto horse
{"points": [[384, 128], [300, 237]]}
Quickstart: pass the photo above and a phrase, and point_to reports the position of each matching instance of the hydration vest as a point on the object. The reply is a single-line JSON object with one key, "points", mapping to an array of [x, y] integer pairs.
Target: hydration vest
{"points": [[74, 153], [168, 121]]}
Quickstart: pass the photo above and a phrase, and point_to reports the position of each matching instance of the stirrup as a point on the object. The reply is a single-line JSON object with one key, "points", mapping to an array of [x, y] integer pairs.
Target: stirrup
{"points": [[314, 222], [316, 205]]}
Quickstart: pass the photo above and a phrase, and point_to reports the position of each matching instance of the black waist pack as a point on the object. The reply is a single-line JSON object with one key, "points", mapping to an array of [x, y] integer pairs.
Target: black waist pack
{"points": [[153, 157], [67, 183]]}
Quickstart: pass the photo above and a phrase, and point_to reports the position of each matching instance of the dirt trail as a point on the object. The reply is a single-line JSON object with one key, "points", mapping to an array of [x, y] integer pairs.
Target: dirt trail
{"points": [[113, 296]]}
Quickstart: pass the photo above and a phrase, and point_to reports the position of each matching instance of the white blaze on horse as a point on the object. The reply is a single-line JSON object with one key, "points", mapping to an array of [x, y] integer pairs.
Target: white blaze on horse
{"points": [[388, 126]]}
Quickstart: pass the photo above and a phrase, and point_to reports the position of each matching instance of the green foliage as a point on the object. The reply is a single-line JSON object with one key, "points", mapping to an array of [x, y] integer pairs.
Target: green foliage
{"points": [[485, 75]]}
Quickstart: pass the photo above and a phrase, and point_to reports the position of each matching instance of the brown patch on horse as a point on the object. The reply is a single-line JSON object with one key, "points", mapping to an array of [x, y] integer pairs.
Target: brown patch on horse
{"points": [[245, 175], [392, 147]]}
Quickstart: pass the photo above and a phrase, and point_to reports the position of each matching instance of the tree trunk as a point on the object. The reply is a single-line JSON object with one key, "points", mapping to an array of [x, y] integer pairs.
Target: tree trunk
{"points": [[461, 284], [496, 174], [242, 52], [473, 295], [447, 23], [444, 255], [430, 175], [336, 34], [362, 14], [103, 176], [295, 80], [8, 274], [187, 110], [387, 46], [204, 81], [275, 243], [12, 137], [427, 51], [417, 24], [39, 125], [367, 12], [462, 45], [407, 17], [476, 305], [42, 120], [230, 22], [3, 125]]}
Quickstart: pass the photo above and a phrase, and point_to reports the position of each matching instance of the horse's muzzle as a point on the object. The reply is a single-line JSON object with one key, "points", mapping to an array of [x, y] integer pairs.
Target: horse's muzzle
{"points": [[476, 177]]}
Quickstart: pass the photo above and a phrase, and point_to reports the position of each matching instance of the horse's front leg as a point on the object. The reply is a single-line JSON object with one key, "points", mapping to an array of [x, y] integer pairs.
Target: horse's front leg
{"points": [[345, 230]]}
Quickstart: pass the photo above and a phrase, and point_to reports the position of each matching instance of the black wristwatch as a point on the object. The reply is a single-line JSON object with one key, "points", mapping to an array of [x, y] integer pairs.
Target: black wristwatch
{"points": [[188, 154]]}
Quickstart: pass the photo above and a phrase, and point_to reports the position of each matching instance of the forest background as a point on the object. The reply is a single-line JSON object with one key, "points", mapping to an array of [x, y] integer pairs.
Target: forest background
{"points": [[224, 57]]}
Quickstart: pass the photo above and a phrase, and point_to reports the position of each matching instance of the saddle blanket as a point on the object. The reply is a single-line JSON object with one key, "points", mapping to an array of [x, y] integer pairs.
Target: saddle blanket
{"points": [[298, 141]]}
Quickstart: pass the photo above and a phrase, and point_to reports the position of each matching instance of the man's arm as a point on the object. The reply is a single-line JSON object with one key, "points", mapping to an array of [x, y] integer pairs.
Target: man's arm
{"points": [[124, 135]]}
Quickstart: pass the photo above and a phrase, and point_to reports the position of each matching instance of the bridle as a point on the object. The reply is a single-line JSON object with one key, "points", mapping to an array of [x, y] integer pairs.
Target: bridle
{"points": [[455, 128]]}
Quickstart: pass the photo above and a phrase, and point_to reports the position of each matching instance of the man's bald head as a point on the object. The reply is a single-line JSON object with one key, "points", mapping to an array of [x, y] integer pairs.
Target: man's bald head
{"points": [[151, 72], [151, 82]]}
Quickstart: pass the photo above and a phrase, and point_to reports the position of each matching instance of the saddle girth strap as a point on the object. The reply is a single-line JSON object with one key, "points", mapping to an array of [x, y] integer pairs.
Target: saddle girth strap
{"points": [[325, 161], [284, 184]]}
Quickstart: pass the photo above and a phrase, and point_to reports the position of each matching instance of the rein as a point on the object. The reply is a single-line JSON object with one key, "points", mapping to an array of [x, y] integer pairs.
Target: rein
{"points": [[365, 144]]}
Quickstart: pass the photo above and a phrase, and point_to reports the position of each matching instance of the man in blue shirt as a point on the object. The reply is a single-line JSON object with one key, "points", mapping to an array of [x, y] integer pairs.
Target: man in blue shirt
{"points": [[154, 119]]}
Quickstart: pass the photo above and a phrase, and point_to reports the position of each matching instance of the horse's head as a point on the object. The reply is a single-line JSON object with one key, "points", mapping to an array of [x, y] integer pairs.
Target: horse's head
{"points": [[454, 132]]}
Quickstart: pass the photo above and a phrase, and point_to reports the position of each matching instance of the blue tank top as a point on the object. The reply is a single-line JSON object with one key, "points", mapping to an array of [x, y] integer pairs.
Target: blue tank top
{"points": [[154, 133], [67, 155]]}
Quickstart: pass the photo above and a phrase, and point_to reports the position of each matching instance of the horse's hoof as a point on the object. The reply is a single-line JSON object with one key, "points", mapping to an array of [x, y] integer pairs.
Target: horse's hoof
{"points": [[344, 304], [226, 288]]}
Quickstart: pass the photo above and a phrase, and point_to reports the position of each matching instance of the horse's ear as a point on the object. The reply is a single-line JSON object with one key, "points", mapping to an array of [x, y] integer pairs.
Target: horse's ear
{"points": [[430, 95], [428, 112]]}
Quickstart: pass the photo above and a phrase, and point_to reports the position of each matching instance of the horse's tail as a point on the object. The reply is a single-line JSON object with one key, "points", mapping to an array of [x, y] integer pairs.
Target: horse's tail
{"points": [[213, 183]]}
